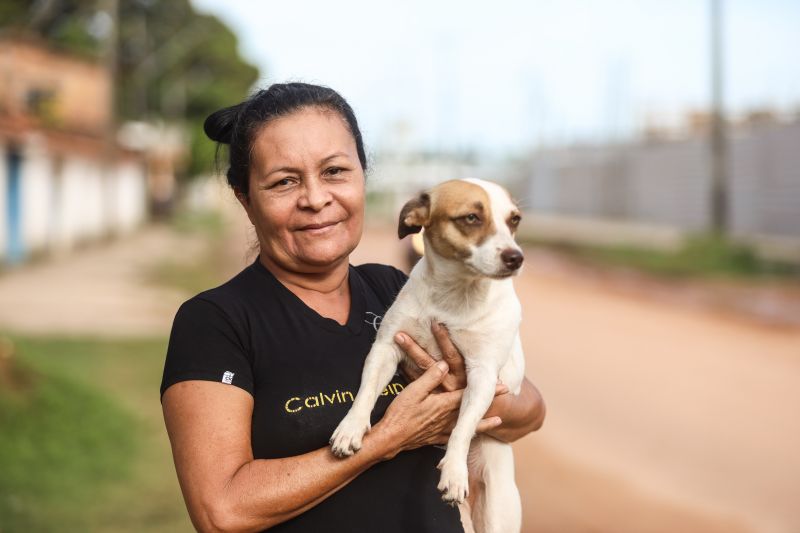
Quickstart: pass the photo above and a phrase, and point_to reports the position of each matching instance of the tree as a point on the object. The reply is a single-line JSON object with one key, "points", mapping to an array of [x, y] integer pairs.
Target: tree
{"points": [[172, 63]]}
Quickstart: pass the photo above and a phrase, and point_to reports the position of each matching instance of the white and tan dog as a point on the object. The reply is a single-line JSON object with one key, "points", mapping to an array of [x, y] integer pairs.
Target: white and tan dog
{"points": [[463, 281]]}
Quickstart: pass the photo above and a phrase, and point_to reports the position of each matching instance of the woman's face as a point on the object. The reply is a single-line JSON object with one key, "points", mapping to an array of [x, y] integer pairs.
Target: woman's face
{"points": [[306, 191]]}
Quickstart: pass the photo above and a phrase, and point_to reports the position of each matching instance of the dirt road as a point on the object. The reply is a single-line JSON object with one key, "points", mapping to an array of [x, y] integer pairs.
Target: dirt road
{"points": [[101, 290], [661, 418], [679, 405]]}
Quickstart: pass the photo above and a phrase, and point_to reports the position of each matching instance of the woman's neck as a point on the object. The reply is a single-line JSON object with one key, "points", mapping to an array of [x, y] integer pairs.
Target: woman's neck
{"points": [[327, 292]]}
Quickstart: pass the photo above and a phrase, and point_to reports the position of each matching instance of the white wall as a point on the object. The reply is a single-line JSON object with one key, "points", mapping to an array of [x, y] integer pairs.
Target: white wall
{"points": [[69, 198], [128, 197], [35, 182], [72, 201]]}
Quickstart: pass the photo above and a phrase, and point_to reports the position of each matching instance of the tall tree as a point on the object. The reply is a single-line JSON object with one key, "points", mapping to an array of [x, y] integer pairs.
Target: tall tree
{"points": [[173, 63]]}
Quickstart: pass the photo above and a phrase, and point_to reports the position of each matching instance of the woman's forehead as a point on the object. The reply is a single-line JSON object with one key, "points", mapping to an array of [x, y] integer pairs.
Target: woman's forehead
{"points": [[310, 135]]}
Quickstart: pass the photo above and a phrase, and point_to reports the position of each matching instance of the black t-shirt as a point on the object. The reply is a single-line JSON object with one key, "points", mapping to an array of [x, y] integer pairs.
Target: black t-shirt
{"points": [[303, 371]]}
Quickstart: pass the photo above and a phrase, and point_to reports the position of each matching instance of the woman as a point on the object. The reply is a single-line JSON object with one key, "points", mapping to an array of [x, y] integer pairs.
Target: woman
{"points": [[260, 370]]}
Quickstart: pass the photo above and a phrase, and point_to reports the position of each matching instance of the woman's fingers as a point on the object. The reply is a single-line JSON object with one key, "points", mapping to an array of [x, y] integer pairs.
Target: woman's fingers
{"points": [[488, 424], [449, 351], [414, 351], [432, 378], [457, 378], [410, 369], [452, 400]]}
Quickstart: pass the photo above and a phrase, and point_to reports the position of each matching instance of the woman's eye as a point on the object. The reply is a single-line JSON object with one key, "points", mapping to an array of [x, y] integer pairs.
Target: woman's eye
{"points": [[285, 182], [334, 171]]}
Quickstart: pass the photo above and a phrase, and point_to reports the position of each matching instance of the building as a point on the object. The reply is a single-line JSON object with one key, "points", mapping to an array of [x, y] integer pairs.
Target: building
{"points": [[63, 177], [666, 182]]}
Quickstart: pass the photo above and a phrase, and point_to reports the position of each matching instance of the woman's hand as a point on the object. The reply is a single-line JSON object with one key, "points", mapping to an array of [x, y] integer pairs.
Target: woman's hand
{"points": [[520, 413], [457, 377], [421, 417]]}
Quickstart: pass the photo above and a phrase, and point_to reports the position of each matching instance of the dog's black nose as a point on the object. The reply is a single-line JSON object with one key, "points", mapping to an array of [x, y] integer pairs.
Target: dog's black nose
{"points": [[511, 258]]}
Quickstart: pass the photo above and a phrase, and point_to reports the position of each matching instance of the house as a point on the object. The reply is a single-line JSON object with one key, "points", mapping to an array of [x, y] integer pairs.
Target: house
{"points": [[64, 179]]}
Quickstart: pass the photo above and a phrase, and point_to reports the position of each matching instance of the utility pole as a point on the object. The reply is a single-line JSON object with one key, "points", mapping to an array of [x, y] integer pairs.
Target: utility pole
{"points": [[719, 141], [111, 9]]}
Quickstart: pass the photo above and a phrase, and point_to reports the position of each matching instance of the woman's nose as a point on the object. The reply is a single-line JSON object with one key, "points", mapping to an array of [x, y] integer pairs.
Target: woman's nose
{"points": [[315, 196]]}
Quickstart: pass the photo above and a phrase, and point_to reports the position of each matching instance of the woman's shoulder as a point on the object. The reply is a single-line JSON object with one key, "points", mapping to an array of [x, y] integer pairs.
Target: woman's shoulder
{"points": [[228, 299], [384, 279], [382, 273], [210, 338]]}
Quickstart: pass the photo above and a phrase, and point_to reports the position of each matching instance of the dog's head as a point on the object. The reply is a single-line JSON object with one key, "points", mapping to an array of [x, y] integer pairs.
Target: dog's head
{"points": [[468, 221]]}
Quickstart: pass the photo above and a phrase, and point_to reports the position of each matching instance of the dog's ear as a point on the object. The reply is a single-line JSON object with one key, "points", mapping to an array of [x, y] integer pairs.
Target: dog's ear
{"points": [[414, 215]]}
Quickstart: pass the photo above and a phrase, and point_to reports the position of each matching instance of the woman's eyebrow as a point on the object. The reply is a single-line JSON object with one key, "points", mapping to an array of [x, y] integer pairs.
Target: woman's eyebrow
{"points": [[333, 156], [281, 169], [297, 170]]}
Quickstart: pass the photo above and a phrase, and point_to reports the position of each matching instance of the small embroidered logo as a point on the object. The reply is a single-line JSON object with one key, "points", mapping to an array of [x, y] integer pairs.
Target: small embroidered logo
{"points": [[374, 320], [227, 377]]}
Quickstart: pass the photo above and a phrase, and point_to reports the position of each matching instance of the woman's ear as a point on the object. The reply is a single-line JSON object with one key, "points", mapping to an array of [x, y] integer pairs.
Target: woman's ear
{"points": [[414, 215], [244, 199]]}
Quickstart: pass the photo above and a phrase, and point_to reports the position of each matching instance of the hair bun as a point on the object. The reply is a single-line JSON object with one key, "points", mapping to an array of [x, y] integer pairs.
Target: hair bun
{"points": [[219, 124]]}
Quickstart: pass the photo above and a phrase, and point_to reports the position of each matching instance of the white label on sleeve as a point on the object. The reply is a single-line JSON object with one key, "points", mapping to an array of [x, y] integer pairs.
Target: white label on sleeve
{"points": [[227, 377]]}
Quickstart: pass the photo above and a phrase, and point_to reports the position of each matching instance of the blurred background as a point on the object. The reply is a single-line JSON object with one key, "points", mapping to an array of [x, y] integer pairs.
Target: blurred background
{"points": [[655, 149]]}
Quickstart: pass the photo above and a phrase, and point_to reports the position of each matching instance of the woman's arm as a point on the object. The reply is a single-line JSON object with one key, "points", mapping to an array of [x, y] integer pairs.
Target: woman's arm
{"points": [[520, 413], [225, 489]]}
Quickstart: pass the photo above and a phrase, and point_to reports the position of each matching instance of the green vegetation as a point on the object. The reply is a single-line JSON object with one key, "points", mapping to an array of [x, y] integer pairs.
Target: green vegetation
{"points": [[173, 63], [208, 223], [701, 256], [83, 446], [194, 275], [82, 440]]}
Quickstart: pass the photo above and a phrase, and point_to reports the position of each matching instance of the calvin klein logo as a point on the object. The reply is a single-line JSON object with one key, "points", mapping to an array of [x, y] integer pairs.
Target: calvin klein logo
{"points": [[373, 320]]}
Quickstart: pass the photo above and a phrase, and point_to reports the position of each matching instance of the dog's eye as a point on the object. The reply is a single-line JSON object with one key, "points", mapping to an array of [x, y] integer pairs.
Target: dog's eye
{"points": [[472, 218], [515, 220]]}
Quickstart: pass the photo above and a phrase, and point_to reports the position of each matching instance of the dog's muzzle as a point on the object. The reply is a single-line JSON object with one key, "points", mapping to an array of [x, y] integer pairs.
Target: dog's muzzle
{"points": [[512, 259]]}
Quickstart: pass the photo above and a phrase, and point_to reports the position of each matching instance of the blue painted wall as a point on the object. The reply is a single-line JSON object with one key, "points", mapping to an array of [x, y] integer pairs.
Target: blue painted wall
{"points": [[15, 252]]}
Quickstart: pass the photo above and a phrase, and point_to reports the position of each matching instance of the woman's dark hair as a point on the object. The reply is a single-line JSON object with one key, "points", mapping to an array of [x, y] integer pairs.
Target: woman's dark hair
{"points": [[238, 125]]}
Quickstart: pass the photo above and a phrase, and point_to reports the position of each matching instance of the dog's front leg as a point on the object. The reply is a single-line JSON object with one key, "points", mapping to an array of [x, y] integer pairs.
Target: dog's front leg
{"points": [[481, 381], [379, 368]]}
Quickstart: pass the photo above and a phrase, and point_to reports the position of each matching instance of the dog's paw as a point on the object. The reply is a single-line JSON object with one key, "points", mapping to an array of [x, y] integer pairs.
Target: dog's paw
{"points": [[346, 440], [454, 481]]}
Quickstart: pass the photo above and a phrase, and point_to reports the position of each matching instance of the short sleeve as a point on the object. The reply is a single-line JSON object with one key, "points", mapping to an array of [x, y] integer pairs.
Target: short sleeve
{"points": [[204, 344]]}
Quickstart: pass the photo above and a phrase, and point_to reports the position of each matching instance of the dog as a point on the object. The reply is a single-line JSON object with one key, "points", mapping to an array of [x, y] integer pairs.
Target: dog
{"points": [[463, 281]]}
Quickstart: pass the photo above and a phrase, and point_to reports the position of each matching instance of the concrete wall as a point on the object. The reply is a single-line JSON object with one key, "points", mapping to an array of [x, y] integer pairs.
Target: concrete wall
{"points": [[67, 199], [668, 183]]}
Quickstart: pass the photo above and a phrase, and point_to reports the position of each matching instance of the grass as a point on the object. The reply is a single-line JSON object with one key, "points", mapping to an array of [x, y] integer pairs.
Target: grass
{"points": [[209, 223], [194, 275], [83, 446], [82, 440], [704, 256]]}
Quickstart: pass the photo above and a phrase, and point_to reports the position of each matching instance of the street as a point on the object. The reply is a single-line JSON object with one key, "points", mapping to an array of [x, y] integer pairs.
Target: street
{"points": [[660, 417]]}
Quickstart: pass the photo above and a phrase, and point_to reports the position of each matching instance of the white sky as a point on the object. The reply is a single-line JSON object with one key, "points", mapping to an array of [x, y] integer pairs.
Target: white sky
{"points": [[502, 75]]}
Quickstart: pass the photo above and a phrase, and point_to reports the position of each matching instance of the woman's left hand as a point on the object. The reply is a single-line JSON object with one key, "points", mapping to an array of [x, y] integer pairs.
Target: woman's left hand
{"points": [[456, 378]]}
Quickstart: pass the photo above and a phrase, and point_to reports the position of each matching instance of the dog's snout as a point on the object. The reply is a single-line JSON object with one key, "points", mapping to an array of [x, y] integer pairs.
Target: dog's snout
{"points": [[511, 258]]}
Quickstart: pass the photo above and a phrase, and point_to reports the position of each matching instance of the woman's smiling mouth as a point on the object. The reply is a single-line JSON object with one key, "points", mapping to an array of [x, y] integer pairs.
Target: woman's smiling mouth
{"points": [[318, 228]]}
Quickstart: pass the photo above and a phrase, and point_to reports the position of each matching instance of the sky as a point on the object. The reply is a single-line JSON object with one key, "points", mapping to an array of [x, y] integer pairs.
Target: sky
{"points": [[503, 76]]}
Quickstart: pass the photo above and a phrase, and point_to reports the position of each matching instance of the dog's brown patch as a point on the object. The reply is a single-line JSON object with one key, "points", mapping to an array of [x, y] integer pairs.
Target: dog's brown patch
{"points": [[414, 215], [460, 217]]}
